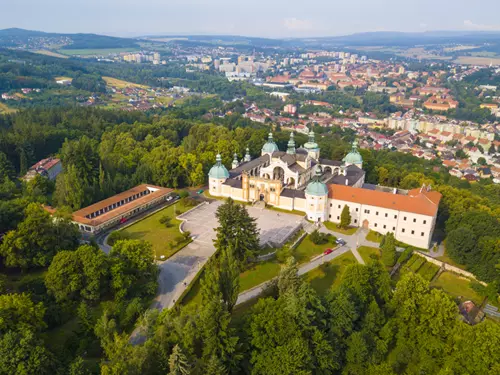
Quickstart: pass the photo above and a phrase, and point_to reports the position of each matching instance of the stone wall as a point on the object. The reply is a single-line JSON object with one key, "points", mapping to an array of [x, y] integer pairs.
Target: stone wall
{"points": [[450, 268]]}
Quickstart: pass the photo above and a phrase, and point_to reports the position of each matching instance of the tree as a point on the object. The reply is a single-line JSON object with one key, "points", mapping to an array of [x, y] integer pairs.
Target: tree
{"points": [[237, 229], [215, 367], [177, 362], [19, 312], [461, 244], [288, 280], [166, 220], [77, 367], [481, 161], [6, 168], [388, 247], [229, 278], [37, 239], [69, 189], [345, 217]]}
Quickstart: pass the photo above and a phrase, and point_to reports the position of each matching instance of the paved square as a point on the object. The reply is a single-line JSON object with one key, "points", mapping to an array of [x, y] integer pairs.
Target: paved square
{"points": [[274, 227]]}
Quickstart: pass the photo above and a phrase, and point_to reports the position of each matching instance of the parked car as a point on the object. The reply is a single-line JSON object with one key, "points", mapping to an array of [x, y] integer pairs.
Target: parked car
{"points": [[340, 241], [123, 220], [200, 191], [328, 251]]}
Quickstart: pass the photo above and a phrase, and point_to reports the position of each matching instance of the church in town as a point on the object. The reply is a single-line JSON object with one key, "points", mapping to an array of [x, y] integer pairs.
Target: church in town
{"points": [[299, 179]]}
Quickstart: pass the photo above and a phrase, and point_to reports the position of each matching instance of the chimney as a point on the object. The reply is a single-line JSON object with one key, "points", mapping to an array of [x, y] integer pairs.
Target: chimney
{"points": [[346, 182]]}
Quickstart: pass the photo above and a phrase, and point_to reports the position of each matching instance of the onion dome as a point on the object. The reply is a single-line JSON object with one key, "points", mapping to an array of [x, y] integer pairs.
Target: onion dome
{"points": [[353, 157], [316, 187], [270, 146], [218, 171]]}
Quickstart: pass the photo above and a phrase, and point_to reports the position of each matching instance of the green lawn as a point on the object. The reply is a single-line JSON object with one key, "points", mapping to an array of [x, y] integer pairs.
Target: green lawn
{"points": [[457, 287], [306, 249], [445, 258], [255, 275], [150, 229], [260, 272], [333, 227], [328, 275], [366, 252], [374, 236]]}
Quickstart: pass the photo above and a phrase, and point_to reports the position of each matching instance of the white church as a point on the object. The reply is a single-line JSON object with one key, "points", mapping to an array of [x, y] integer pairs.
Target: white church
{"points": [[299, 179]]}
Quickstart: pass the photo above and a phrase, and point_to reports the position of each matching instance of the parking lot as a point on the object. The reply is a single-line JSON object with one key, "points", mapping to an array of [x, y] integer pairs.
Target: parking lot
{"points": [[274, 227]]}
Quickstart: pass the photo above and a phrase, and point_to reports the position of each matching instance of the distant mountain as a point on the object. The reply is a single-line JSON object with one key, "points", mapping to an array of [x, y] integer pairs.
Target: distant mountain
{"points": [[28, 38]]}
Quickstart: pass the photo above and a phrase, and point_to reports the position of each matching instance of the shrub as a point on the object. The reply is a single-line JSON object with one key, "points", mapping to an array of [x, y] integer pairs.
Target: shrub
{"points": [[166, 220], [319, 238], [117, 236], [405, 255]]}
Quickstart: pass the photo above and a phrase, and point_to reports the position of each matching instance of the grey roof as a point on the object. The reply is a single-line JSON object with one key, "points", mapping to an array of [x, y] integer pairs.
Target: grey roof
{"points": [[233, 183], [296, 168], [289, 159], [334, 163], [353, 175], [301, 151], [292, 193], [248, 165]]}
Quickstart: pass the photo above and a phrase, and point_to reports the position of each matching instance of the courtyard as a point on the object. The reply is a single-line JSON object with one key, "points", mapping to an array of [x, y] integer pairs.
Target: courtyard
{"points": [[274, 227]]}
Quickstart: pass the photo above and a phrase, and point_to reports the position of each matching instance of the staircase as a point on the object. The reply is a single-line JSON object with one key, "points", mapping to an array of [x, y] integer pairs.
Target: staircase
{"points": [[308, 226]]}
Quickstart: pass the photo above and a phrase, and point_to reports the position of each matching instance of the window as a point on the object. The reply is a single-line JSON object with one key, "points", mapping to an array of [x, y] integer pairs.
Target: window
{"points": [[414, 220], [331, 205], [403, 230], [355, 221], [338, 217], [425, 221], [404, 218], [357, 209], [376, 213], [422, 234], [386, 215], [375, 225], [395, 216], [329, 216], [394, 228], [367, 211], [385, 226], [412, 232], [339, 205]]}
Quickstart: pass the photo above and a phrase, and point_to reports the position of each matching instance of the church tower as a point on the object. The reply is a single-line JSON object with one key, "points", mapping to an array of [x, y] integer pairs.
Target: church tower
{"points": [[353, 157], [312, 147], [217, 176], [291, 145], [317, 199]]}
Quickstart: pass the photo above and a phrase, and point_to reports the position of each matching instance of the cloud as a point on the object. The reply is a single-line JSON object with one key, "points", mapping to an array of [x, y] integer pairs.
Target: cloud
{"points": [[471, 25], [295, 24]]}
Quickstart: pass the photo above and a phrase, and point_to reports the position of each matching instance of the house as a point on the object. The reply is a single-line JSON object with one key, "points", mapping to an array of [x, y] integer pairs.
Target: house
{"points": [[49, 168]]}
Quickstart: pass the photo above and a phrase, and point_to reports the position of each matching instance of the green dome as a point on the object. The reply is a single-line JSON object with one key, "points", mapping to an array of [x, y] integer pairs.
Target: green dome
{"points": [[316, 187], [353, 157], [270, 146], [218, 171], [311, 143]]}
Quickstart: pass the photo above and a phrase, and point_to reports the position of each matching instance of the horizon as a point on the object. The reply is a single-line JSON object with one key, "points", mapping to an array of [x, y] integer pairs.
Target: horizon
{"points": [[277, 19]]}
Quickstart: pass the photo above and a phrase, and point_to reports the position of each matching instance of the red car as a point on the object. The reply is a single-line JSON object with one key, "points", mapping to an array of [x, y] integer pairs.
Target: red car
{"points": [[328, 251], [123, 220]]}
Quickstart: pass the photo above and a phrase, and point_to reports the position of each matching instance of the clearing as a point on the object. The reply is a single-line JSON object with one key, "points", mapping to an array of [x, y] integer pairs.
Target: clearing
{"points": [[4, 109], [333, 227], [120, 84], [51, 53], [367, 252], [473, 60]]}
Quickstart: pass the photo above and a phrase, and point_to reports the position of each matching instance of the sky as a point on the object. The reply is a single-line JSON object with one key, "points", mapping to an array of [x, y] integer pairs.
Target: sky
{"points": [[263, 18]]}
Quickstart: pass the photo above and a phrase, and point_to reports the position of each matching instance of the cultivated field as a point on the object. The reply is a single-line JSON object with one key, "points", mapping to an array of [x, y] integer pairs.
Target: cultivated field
{"points": [[95, 52], [5, 109], [474, 60], [51, 53], [119, 84]]}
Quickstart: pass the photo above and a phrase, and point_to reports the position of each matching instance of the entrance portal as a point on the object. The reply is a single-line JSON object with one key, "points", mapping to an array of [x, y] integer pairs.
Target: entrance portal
{"points": [[261, 198], [365, 224]]}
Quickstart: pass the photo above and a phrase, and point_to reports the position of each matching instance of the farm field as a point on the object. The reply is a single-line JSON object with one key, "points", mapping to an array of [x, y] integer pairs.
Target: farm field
{"points": [[475, 60], [120, 84], [6, 109], [51, 53], [457, 286]]}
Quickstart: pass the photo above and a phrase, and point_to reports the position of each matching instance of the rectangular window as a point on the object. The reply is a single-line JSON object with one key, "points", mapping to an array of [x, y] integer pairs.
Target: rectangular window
{"points": [[422, 234], [338, 217], [339, 205], [425, 221], [386, 215], [355, 221], [357, 209], [404, 218], [403, 230], [375, 225], [376, 213], [329, 216], [394, 228], [385, 226], [414, 220], [395, 216], [412, 232], [331, 205]]}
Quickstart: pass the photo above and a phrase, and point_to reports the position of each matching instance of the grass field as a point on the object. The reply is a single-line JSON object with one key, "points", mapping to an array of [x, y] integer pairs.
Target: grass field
{"points": [[374, 236], [328, 275], [5, 109], [474, 60], [95, 52], [366, 252], [333, 227], [51, 53], [306, 249], [457, 287], [445, 258], [150, 229], [120, 84]]}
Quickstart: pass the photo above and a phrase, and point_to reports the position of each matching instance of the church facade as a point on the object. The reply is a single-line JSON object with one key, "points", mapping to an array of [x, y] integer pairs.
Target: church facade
{"points": [[299, 179]]}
